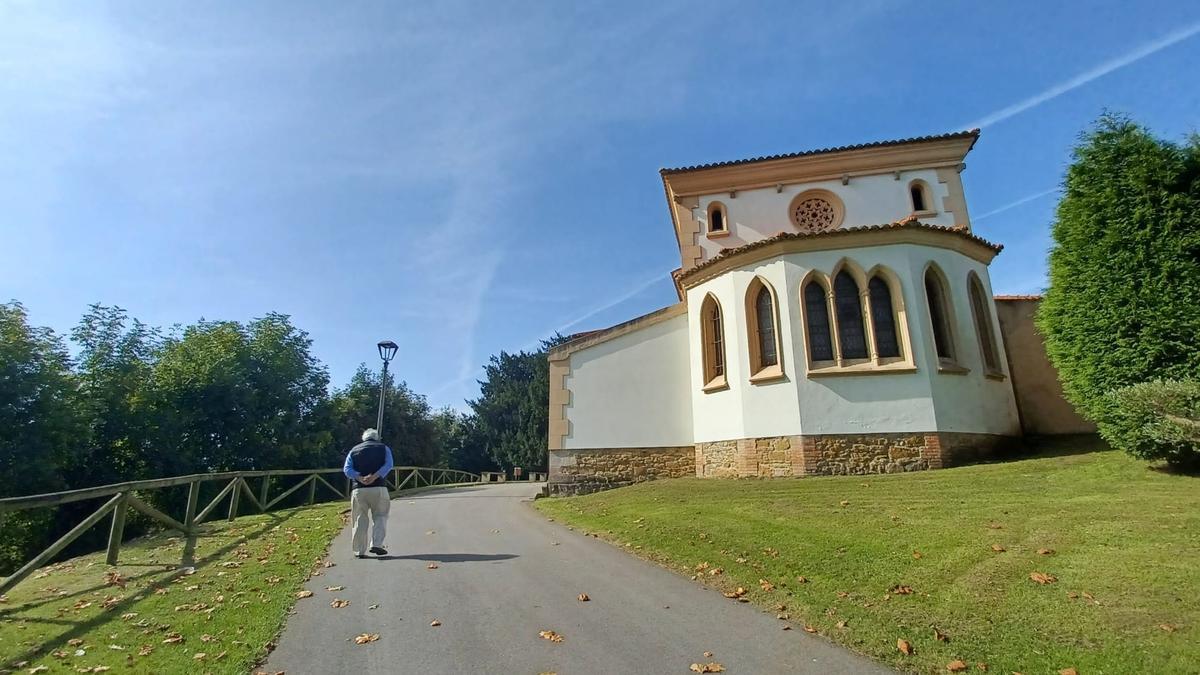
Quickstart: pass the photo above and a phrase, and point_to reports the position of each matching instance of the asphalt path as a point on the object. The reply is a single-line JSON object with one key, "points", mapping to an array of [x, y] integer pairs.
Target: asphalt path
{"points": [[503, 574]]}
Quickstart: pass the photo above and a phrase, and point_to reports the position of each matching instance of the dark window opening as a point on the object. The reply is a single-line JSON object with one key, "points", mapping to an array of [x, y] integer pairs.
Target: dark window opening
{"points": [[820, 341], [851, 332], [716, 221], [937, 313], [918, 198], [883, 318], [764, 308]]}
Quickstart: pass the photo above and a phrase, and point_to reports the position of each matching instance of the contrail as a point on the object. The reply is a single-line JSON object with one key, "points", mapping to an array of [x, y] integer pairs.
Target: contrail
{"points": [[1013, 205], [636, 290], [1087, 76]]}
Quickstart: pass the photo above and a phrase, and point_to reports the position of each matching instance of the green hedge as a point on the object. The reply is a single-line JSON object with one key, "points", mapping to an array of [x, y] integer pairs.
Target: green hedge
{"points": [[1157, 420]]}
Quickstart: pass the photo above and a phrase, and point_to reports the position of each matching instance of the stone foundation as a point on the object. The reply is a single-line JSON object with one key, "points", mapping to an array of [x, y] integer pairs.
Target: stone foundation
{"points": [[842, 454], [576, 472]]}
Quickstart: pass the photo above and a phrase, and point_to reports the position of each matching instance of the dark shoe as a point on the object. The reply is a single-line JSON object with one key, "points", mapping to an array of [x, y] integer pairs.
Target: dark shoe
{"points": [[360, 555], [378, 550]]}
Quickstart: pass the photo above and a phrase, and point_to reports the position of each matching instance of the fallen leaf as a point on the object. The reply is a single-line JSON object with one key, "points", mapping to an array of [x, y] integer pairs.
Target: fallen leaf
{"points": [[366, 638], [200, 656], [173, 639], [940, 636], [338, 604], [995, 526], [430, 532], [435, 623], [917, 554], [801, 580], [766, 585], [708, 655], [1045, 551], [956, 666], [1043, 578], [207, 638], [333, 589], [39, 669], [901, 590], [845, 502], [981, 665], [998, 548], [373, 607], [706, 668], [114, 578], [550, 635], [304, 594], [1167, 627], [841, 624], [145, 650], [905, 647], [1068, 671], [75, 642], [739, 592], [809, 629], [583, 597], [431, 566], [328, 563]]}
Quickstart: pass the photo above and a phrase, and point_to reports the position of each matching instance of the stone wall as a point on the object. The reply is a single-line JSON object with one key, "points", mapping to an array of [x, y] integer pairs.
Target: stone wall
{"points": [[574, 472], [837, 455]]}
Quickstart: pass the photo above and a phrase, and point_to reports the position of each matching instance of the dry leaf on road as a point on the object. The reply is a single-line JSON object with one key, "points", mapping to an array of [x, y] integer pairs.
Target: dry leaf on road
{"points": [[583, 597], [304, 594], [435, 623], [708, 655], [431, 566], [373, 607], [365, 638], [332, 589], [338, 604], [905, 647], [550, 635], [706, 668]]}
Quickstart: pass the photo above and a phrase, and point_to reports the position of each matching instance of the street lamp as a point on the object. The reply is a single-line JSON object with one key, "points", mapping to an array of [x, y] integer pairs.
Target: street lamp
{"points": [[387, 350]]}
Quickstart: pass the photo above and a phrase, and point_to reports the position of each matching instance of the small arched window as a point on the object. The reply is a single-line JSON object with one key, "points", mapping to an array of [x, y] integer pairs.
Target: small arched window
{"points": [[816, 316], [939, 315], [713, 334], [921, 198], [717, 219], [983, 324], [852, 336], [764, 333], [883, 318]]}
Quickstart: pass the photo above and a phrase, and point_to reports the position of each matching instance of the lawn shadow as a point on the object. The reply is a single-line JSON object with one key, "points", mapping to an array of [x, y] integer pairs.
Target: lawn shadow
{"points": [[113, 614], [1045, 447], [452, 557]]}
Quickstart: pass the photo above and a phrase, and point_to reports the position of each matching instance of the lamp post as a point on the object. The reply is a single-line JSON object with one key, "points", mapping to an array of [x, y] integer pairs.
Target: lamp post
{"points": [[387, 350]]}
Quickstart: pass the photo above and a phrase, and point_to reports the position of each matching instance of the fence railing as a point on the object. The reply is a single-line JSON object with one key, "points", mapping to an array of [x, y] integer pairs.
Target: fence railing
{"points": [[122, 497]]}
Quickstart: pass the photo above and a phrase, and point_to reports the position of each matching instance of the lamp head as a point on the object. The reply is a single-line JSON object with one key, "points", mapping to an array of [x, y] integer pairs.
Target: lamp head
{"points": [[387, 350]]}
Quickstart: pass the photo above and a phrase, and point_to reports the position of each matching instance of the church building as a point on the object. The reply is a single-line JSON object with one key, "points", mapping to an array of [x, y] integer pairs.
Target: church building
{"points": [[835, 316]]}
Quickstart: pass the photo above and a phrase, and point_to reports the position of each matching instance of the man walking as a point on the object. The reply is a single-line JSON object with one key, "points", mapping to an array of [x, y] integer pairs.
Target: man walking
{"points": [[367, 464]]}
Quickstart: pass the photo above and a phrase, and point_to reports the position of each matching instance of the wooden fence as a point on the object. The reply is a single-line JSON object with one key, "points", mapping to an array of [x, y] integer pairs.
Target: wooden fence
{"points": [[122, 497]]}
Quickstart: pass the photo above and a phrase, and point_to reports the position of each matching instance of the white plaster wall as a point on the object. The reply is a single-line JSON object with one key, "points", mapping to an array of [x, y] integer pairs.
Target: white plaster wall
{"points": [[632, 391], [869, 200], [926, 400]]}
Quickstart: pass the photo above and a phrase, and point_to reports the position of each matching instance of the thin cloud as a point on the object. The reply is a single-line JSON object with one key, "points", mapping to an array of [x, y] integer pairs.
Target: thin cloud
{"points": [[1012, 205], [1085, 77]]}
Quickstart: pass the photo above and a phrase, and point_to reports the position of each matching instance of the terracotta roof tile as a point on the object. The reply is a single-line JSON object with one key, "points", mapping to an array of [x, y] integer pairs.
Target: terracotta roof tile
{"points": [[1018, 297], [973, 133], [908, 223]]}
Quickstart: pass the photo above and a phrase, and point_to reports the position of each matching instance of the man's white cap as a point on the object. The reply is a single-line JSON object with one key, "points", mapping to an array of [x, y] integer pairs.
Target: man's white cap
{"points": [[370, 435]]}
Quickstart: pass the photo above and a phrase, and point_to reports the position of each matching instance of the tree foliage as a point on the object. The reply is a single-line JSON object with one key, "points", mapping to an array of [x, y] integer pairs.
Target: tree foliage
{"points": [[1123, 305], [407, 427]]}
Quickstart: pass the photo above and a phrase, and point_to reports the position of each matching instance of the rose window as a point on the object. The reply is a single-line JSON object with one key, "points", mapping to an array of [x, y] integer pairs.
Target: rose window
{"points": [[814, 215]]}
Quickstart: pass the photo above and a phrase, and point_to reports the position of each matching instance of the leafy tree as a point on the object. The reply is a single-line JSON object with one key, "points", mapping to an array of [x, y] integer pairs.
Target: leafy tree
{"points": [[1123, 304], [39, 425], [113, 368], [407, 427], [460, 443], [511, 413]]}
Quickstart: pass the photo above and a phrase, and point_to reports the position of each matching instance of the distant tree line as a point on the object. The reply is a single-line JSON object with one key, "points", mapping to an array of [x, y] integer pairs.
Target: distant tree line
{"points": [[137, 402]]}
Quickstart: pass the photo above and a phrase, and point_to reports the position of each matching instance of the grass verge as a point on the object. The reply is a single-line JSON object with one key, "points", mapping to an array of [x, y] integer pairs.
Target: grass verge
{"points": [[870, 560], [76, 616]]}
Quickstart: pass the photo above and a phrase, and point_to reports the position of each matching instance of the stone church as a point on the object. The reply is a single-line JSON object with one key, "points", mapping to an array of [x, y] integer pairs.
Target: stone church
{"points": [[835, 316]]}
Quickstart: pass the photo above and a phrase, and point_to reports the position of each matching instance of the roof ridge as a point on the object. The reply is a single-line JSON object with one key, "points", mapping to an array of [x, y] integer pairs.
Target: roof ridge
{"points": [[970, 133]]}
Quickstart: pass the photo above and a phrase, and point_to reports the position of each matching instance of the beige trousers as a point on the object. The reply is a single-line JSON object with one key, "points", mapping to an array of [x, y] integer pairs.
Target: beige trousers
{"points": [[375, 502]]}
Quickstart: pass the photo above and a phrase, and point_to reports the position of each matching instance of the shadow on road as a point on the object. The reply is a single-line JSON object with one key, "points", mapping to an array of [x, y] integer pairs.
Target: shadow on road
{"points": [[451, 557]]}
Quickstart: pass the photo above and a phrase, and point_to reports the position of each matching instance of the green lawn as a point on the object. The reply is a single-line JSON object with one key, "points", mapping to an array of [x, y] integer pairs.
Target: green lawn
{"points": [[70, 618], [1125, 541]]}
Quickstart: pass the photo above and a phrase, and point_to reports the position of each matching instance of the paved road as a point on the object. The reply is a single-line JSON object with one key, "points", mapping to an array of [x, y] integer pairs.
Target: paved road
{"points": [[501, 579]]}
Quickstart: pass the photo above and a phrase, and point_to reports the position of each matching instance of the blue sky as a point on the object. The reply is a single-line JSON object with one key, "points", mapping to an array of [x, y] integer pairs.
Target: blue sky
{"points": [[470, 177]]}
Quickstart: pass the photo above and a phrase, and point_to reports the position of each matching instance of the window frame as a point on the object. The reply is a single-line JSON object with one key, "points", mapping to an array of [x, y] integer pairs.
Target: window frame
{"points": [[713, 345], [945, 364], [896, 310], [760, 372], [873, 363], [926, 196], [714, 207], [985, 333]]}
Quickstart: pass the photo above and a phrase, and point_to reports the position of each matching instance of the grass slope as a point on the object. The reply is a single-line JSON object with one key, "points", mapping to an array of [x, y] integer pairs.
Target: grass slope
{"points": [[219, 619], [1125, 541]]}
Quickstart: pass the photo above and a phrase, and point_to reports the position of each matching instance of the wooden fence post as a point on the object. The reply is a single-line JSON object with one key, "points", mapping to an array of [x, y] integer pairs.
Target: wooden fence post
{"points": [[262, 494], [117, 531], [312, 491], [234, 499], [189, 519]]}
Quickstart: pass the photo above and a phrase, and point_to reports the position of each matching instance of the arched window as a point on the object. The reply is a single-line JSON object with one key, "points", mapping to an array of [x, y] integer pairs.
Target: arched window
{"points": [[852, 336], [939, 315], [816, 317], [883, 318], [763, 330], [713, 333], [921, 198], [983, 324], [717, 219]]}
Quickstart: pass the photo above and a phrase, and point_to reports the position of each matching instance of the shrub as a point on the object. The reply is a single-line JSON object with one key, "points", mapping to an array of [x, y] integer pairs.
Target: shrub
{"points": [[1156, 420], [1123, 304]]}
